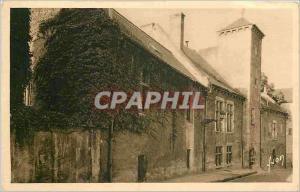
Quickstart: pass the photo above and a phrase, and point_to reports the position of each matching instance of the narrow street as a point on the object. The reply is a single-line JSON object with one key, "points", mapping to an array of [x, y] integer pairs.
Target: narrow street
{"points": [[277, 175]]}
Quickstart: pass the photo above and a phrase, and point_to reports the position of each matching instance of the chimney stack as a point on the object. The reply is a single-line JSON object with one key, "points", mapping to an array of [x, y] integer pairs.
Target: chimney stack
{"points": [[176, 29], [187, 43], [182, 30]]}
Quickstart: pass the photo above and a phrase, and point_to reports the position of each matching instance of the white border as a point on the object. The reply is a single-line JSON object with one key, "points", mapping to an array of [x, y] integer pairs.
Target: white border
{"points": [[5, 150]]}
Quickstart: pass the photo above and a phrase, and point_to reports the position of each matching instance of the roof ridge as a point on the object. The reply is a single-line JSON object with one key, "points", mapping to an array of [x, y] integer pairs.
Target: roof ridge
{"points": [[140, 30]]}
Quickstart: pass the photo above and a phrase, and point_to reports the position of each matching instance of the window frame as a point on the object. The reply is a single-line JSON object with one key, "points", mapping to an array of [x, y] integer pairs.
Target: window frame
{"points": [[229, 103], [252, 116], [229, 154], [217, 114], [28, 94], [290, 131], [274, 129], [219, 156]]}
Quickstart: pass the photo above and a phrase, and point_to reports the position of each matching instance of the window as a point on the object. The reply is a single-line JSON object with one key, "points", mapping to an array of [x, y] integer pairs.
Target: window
{"points": [[255, 50], [252, 116], [228, 154], [218, 158], [28, 95], [290, 131], [274, 130], [219, 115], [229, 117]]}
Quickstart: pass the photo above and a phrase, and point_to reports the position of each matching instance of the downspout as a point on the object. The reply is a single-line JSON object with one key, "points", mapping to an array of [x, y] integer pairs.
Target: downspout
{"points": [[260, 140], [242, 138], [285, 118], [204, 138]]}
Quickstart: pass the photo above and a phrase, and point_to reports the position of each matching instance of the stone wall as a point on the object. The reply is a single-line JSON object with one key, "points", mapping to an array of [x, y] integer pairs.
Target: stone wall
{"points": [[57, 156], [165, 156], [270, 143], [224, 138]]}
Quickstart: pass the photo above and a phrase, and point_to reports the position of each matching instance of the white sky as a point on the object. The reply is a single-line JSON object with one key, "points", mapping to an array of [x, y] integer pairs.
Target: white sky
{"points": [[201, 26]]}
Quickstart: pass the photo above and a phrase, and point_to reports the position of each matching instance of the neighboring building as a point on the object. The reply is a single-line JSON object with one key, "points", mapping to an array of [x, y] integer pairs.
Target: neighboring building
{"points": [[288, 96], [272, 133]]}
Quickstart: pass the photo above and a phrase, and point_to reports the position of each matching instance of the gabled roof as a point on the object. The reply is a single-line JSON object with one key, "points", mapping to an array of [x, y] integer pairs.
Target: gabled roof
{"points": [[214, 77], [149, 44], [238, 23]]}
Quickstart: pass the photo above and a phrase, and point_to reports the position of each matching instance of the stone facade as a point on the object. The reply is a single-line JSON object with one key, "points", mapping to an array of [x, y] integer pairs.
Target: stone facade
{"points": [[273, 138], [57, 156], [224, 138]]}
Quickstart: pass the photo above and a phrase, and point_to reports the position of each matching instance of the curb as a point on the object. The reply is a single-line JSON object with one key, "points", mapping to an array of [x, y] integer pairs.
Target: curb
{"points": [[236, 177]]}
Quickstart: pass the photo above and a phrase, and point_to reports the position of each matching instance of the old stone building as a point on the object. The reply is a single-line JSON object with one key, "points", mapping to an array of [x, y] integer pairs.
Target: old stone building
{"points": [[231, 132], [288, 107], [233, 67], [273, 134]]}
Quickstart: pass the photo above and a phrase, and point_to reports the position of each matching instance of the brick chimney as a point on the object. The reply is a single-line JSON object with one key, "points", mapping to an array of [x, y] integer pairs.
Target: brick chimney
{"points": [[176, 29]]}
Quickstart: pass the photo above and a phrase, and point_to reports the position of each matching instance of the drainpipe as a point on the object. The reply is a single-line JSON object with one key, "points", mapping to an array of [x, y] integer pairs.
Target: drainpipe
{"points": [[204, 122], [260, 140], [204, 138], [285, 118], [242, 138]]}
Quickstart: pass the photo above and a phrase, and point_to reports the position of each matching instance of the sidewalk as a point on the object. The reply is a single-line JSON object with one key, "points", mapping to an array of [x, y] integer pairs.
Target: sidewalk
{"points": [[221, 175]]}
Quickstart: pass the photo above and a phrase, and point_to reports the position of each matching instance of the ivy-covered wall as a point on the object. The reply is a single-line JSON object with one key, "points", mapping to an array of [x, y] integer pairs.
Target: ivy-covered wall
{"points": [[164, 145], [77, 53]]}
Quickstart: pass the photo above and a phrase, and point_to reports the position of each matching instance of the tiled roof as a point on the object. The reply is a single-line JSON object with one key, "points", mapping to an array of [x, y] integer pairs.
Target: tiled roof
{"points": [[149, 44], [238, 23], [214, 77]]}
